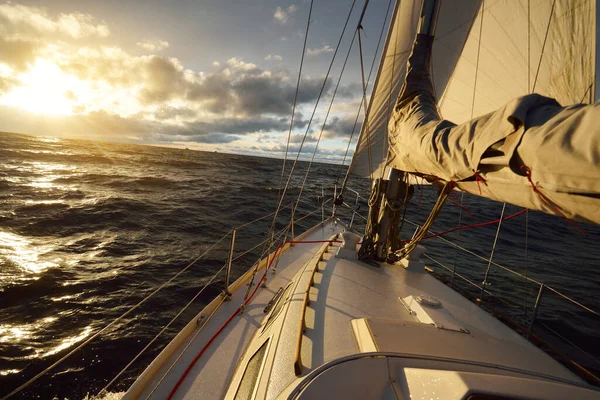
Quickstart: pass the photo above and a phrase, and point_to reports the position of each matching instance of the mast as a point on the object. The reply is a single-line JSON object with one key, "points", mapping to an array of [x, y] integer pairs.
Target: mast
{"points": [[395, 190]]}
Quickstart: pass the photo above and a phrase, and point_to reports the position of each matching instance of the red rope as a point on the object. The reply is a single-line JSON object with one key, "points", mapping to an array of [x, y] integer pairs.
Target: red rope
{"points": [[471, 226], [546, 200], [479, 178], [454, 200], [214, 336]]}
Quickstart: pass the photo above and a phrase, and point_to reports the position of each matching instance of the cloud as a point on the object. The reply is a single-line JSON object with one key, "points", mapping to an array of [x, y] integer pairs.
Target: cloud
{"points": [[209, 138], [25, 31], [319, 51], [174, 113], [31, 22], [153, 46], [298, 138], [350, 91], [19, 53], [7, 83], [282, 16], [341, 127], [115, 95], [307, 151], [273, 57], [111, 126]]}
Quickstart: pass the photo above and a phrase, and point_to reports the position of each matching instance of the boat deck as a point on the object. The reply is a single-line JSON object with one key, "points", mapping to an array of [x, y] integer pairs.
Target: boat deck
{"points": [[210, 376], [345, 297]]}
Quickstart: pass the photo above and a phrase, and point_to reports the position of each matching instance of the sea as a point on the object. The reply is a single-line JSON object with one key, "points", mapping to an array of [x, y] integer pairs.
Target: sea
{"points": [[88, 229]]}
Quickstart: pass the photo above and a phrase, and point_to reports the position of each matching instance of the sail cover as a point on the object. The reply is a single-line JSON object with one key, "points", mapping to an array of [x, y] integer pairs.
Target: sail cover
{"points": [[541, 46]]}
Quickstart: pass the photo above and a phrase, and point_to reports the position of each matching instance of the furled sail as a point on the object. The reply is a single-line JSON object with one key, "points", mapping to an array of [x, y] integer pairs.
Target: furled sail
{"points": [[546, 47]]}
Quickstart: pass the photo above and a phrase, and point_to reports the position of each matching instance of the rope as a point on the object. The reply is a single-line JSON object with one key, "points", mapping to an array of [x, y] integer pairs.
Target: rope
{"points": [[459, 228], [114, 322], [527, 171], [420, 234], [204, 322], [246, 301]]}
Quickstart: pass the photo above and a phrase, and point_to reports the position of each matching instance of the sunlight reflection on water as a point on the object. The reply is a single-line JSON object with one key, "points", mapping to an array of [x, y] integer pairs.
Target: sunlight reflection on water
{"points": [[70, 341], [12, 334], [22, 253]]}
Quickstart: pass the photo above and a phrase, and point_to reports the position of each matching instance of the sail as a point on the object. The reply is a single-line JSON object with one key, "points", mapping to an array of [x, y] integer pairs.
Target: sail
{"points": [[544, 46]]}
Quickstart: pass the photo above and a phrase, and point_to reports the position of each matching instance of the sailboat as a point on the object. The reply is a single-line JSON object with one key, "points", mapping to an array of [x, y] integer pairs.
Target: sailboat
{"points": [[330, 313]]}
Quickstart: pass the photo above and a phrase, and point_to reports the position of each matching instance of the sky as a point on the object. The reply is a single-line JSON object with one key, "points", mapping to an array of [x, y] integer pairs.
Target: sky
{"points": [[206, 75]]}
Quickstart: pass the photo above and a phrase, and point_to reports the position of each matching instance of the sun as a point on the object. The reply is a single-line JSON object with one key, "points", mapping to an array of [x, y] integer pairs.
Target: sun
{"points": [[45, 89]]}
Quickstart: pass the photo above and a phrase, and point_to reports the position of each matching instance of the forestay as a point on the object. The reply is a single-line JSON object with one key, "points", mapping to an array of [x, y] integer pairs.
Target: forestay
{"points": [[546, 47]]}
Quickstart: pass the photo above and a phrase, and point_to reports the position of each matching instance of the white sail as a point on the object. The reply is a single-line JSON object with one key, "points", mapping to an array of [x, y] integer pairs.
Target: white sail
{"points": [[553, 55]]}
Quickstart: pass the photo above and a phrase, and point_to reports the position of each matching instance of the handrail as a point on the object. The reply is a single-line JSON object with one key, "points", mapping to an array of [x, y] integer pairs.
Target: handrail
{"points": [[305, 303], [513, 272], [355, 192]]}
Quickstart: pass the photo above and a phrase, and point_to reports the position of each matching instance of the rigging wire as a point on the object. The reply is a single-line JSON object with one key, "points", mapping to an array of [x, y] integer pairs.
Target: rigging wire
{"points": [[287, 146], [281, 195], [462, 195], [328, 111], [268, 248], [362, 100], [139, 354], [364, 91], [327, 114], [198, 331], [310, 120], [487, 272], [543, 46], [527, 212]]}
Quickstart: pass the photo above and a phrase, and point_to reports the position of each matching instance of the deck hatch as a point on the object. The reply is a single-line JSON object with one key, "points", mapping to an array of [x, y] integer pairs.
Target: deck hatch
{"points": [[276, 308], [249, 382], [429, 310]]}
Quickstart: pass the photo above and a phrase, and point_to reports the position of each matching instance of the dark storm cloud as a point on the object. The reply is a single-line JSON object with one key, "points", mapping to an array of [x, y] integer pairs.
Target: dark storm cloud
{"points": [[163, 80], [298, 138], [350, 91], [341, 127], [253, 92]]}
